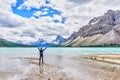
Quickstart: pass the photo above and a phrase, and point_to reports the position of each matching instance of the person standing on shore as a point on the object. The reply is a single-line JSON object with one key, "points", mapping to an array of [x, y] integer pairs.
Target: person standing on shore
{"points": [[41, 58]]}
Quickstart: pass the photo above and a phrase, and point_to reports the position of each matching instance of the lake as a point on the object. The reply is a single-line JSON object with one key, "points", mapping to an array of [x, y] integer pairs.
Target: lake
{"points": [[12, 69], [21, 52]]}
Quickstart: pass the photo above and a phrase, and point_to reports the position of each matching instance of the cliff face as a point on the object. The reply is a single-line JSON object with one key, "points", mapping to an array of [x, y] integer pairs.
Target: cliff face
{"points": [[99, 31]]}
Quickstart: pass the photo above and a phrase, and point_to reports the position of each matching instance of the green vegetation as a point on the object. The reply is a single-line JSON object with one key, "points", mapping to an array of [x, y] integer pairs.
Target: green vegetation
{"points": [[5, 43], [106, 45]]}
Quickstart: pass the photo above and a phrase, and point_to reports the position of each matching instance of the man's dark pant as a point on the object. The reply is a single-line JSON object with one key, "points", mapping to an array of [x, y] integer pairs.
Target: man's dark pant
{"points": [[41, 59]]}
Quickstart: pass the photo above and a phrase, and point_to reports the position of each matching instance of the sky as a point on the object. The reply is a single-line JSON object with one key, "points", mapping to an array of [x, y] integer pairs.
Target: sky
{"points": [[29, 20]]}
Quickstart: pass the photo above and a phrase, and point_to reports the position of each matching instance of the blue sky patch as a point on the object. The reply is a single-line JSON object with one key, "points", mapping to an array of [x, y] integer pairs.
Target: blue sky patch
{"points": [[46, 10], [47, 1], [63, 20]]}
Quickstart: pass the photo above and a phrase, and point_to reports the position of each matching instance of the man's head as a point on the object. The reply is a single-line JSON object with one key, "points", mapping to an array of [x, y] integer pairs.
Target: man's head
{"points": [[41, 48]]}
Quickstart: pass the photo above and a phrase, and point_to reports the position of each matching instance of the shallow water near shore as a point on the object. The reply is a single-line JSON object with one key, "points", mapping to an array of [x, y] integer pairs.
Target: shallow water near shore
{"points": [[15, 62]]}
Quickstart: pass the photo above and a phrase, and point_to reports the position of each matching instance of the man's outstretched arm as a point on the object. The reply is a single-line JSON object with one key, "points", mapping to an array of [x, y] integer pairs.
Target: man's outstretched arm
{"points": [[45, 48], [38, 48]]}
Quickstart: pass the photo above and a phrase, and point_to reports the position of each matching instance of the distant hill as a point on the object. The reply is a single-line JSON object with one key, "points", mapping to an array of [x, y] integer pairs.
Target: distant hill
{"points": [[100, 31], [5, 43]]}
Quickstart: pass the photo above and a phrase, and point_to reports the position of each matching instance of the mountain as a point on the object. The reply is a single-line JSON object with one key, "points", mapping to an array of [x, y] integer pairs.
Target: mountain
{"points": [[42, 43], [100, 31], [38, 42], [59, 40], [5, 43]]}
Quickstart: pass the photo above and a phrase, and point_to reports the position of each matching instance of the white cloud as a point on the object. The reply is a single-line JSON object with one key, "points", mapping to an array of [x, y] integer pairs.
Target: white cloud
{"points": [[37, 13], [78, 12], [33, 4], [57, 17]]}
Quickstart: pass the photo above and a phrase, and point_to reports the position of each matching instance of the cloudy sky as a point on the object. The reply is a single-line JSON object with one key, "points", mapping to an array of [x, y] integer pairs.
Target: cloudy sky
{"points": [[29, 20]]}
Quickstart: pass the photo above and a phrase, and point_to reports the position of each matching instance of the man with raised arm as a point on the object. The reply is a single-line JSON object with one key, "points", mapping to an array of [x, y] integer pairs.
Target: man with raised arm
{"points": [[41, 54]]}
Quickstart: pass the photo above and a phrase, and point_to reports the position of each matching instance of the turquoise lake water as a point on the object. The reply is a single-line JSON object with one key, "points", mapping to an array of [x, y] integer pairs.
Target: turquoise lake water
{"points": [[16, 52]]}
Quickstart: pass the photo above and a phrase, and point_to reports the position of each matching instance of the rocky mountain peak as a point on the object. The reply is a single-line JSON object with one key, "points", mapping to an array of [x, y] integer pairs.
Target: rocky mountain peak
{"points": [[110, 12], [59, 40], [99, 25], [59, 37]]}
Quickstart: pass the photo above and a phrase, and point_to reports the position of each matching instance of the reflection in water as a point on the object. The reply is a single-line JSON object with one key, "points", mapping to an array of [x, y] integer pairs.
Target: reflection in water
{"points": [[41, 70]]}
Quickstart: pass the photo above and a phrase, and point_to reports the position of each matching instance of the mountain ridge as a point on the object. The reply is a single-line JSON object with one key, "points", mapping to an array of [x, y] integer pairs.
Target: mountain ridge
{"points": [[42, 43], [102, 30]]}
